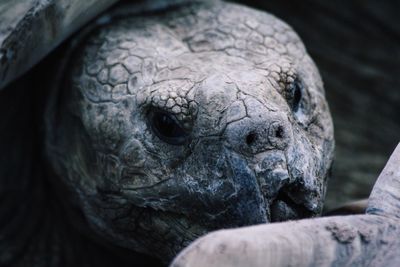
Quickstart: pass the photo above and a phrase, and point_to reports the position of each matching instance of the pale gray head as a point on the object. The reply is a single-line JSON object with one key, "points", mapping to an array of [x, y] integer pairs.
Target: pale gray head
{"points": [[172, 125]]}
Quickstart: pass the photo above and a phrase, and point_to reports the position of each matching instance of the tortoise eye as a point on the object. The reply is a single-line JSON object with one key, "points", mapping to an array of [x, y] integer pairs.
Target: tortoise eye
{"points": [[167, 128], [294, 94]]}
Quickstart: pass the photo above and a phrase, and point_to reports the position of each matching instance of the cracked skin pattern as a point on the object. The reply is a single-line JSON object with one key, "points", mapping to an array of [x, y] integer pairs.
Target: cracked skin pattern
{"points": [[253, 153]]}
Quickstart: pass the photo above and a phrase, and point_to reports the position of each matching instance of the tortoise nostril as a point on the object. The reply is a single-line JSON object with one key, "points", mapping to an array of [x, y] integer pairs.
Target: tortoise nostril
{"points": [[279, 132], [278, 135], [251, 138]]}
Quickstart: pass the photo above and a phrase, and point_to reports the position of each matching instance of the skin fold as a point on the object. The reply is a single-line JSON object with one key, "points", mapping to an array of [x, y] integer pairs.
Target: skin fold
{"points": [[170, 125]]}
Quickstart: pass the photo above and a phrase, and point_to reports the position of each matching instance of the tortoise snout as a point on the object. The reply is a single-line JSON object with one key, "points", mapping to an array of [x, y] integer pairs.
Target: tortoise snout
{"points": [[257, 135]]}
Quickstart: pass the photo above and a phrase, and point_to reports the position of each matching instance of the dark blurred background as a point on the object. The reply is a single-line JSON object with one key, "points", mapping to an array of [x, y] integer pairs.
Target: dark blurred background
{"points": [[356, 45]]}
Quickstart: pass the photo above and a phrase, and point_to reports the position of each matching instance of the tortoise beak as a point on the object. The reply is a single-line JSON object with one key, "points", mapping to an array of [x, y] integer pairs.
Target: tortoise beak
{"points": [[250, 206], [284, 208]]}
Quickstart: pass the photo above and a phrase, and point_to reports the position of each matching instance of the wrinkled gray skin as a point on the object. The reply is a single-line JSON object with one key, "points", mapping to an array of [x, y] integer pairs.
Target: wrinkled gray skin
{"points": [[228, 76]]}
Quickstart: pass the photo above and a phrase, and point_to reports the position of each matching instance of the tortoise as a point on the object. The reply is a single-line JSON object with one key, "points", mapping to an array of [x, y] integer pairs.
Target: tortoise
{"points": [[165, 123]]}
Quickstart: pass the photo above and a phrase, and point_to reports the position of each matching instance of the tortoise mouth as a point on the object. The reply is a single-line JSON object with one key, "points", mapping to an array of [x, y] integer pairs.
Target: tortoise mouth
{"points": [[284, 208]]}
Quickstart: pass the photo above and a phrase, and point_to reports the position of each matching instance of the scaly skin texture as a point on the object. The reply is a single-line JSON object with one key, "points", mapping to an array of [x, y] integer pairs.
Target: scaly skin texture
{"points": [[257, 134]]}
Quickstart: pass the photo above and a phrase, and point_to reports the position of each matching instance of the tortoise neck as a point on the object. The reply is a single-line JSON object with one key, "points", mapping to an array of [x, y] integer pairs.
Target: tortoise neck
{"points": [[105, 253]]}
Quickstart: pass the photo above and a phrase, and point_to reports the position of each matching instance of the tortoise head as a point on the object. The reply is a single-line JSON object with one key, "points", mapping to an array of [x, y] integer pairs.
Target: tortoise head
{"points": [[172, 125]]}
